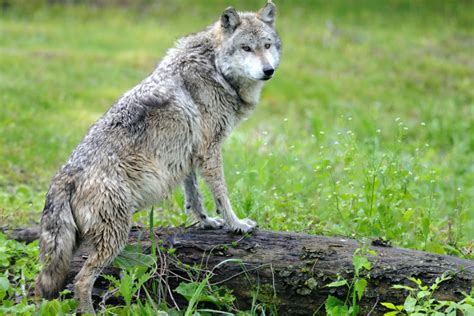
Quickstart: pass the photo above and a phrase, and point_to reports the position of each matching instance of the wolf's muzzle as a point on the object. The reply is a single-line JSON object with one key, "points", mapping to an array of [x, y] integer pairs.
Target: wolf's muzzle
{"points": [[268, 73]]}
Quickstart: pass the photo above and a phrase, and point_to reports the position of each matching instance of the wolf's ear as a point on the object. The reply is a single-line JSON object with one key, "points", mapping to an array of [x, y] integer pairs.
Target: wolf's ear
{"points": [[267, 13], [230, 20]]}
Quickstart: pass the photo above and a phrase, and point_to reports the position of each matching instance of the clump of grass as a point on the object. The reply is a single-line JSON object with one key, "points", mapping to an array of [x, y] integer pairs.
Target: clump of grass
{"points": [[420, 301]]}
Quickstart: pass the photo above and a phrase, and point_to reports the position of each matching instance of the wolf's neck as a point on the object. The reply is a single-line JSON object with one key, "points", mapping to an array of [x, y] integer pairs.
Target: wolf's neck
{"points": [[249, 92]]}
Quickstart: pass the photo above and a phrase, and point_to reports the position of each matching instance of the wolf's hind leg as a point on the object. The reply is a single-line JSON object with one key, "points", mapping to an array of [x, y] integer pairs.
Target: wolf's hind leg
{"points": [[194, 206], [106, 242]]}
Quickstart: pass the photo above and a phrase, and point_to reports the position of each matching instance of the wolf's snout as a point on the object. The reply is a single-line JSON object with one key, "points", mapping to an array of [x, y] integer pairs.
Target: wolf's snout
{"points": [[268, 71]]}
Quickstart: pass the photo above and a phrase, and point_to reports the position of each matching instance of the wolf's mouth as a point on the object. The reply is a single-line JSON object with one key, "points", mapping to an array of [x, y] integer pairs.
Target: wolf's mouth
{"points": [[265, 78]]}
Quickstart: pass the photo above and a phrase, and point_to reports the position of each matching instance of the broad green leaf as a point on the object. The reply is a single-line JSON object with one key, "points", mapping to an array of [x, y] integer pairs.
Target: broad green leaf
{"points": [[415, 280], [187, 289], [332, 301], [51, 308], [69, 305], [409, 304], [359, 287], [335, 307], [4, 283], [422, 294], [354, 310], [359, 262], [130, 258], [467, 309], [389, 305], [372, 252]]}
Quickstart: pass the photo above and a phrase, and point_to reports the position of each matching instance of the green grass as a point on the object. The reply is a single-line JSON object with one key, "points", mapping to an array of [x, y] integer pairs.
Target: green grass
{"points": [[365, 131]]}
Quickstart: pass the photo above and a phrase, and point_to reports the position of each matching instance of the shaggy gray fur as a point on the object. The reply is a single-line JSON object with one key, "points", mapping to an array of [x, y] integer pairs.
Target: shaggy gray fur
{"points": [[152, 140]]}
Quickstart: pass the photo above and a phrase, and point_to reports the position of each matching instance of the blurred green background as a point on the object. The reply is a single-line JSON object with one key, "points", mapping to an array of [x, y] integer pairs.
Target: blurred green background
{"points": [[365, 131]]}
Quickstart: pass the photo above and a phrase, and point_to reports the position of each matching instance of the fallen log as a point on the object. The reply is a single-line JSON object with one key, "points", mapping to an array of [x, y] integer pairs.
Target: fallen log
{"points": [[291, 270]]}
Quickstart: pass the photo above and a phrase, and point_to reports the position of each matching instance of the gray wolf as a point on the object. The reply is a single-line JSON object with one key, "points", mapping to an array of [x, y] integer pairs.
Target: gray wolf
{"points": [[155, 137]]}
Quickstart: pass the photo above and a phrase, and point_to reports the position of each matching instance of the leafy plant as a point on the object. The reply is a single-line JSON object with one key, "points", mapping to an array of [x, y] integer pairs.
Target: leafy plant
{"points": [[420, 301], [202, 291], [355, 288], [18, 269], [130, 283], [59, 306], [196, 292]]}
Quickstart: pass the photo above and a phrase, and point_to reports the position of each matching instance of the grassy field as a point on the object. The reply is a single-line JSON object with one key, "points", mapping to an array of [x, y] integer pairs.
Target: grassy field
{"points": [[366, 130]]}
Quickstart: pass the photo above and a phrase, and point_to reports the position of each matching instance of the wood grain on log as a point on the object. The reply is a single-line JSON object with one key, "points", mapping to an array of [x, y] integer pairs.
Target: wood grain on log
{"points": [[292, 269]]}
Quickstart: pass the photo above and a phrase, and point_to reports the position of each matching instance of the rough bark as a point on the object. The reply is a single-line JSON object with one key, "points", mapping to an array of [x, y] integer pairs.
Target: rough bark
{"points": [[292, 269]]}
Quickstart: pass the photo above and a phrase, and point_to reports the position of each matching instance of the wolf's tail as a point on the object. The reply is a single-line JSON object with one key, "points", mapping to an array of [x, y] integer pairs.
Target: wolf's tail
{"points": [[57, 244]]}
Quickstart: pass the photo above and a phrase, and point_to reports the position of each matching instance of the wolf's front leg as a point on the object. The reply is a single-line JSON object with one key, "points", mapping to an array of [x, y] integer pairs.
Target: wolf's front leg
{"points": [[213, 173], [194, 206]]}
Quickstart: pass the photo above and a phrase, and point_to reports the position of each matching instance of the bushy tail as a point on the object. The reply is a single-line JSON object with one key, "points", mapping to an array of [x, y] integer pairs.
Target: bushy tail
{"points": [[57, 245]]}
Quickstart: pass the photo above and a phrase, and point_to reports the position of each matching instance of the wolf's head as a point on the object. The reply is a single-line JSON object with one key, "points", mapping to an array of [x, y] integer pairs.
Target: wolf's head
{"points": [[249, 46]]}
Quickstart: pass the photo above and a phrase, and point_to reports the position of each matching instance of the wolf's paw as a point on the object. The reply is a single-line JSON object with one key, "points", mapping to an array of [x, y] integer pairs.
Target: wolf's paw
{"points": [[212, 223], [243, 226]]}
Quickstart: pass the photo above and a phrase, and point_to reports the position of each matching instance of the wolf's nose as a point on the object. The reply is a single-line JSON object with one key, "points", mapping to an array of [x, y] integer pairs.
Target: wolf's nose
{"points": [[268, 71]]}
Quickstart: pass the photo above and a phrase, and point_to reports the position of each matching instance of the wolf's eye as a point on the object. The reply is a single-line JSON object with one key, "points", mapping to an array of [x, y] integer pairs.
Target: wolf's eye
{"points": [[246, 48], [267, 46]]}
